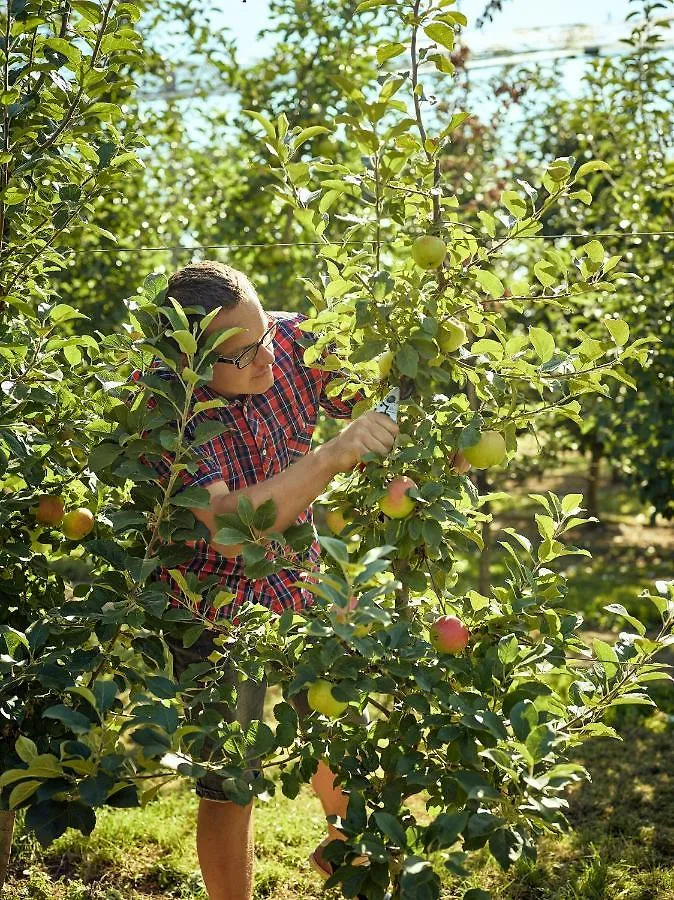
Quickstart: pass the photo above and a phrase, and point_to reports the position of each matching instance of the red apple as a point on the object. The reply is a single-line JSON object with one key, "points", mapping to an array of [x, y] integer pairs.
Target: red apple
{"points": [[49, 510], [396, 503], [448, 634]]}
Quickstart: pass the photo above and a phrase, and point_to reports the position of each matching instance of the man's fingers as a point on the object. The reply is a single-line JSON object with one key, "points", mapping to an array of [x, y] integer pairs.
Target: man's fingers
{"points": [[384, 421]]}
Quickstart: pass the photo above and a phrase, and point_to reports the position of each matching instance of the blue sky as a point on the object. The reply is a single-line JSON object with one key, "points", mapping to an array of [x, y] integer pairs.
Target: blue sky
{"points": [[251, 16]]}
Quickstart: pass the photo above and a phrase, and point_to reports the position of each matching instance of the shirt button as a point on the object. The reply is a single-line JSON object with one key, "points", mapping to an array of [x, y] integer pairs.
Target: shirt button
{"points": [[264, 453]]}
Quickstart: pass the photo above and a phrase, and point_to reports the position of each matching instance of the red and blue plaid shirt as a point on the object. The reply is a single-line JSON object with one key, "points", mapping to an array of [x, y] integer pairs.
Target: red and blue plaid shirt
{"points": [[267, 433]]}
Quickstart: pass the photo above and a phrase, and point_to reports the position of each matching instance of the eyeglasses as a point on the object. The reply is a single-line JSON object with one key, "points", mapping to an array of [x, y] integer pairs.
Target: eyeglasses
{"points": [[248, 354]]}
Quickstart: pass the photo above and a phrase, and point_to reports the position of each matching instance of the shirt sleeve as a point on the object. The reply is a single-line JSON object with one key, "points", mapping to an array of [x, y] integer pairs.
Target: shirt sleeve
{"points": [[336, 406]]}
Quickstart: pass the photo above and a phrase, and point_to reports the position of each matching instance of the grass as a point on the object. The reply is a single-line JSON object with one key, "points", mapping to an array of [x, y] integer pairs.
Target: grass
{"points": [[622, 843], [621, 846]]}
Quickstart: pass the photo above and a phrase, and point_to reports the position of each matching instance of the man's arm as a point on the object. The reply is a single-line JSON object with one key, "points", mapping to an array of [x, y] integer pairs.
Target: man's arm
{"points": [[294, 489]]}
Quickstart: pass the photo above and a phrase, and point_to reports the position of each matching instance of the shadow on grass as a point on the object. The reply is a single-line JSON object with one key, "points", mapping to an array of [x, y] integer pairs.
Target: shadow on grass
{"points": [[622, 842]]}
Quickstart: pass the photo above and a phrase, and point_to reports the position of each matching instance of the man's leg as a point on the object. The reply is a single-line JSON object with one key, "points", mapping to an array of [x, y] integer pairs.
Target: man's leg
{"points": [[333, 800], [225, 848]]}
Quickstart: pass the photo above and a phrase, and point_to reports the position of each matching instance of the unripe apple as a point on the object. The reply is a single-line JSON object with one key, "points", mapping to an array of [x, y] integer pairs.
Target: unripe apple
{"points": [[448, 634], [49, 510], [77, 523], [451, 335], [320, 699], [429, 251], [336, 520], [396, 503], [490, 450], [385, 362]]}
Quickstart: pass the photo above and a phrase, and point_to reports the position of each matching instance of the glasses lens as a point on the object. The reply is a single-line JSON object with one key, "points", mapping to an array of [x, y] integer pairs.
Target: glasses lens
{"points": [[247, 358], [250, 354]]}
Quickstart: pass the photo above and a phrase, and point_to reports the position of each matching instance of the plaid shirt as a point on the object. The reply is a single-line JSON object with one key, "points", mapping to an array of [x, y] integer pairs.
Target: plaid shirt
{"points": [[267, 433]]}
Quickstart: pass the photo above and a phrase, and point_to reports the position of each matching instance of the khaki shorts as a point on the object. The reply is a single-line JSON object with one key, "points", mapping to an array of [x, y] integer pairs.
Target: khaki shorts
{"points": [[249, 707]]}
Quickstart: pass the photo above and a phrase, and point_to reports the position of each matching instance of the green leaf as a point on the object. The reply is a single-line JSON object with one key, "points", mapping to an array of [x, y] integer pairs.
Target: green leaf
{"points": [[391, 827], [196, 497], [490, 283], [22, 791], [543, 343], [407, 361], [25, 749], [595, 165], [62, 312], [619, 331], [515, 205], [508, 649], [388, 51], [261, 120], [229, 536], [308, 133], [583, 196], [185, 340], [72, 719], [441, 33]]}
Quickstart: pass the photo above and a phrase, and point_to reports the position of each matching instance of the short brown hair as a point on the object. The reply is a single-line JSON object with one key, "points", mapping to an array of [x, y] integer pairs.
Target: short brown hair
{"points": [[208, 284]]}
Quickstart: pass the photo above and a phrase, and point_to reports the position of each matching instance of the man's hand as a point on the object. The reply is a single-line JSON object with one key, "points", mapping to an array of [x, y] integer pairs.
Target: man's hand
{"points": [[371, 432]]}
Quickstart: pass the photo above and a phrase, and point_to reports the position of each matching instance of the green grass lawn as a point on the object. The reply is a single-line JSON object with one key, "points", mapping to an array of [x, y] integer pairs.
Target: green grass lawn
{"points": [[621, 846]]}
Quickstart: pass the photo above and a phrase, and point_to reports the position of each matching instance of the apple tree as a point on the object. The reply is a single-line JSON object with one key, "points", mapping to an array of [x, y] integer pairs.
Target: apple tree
{"points": [[473, 719], [622, 116]]}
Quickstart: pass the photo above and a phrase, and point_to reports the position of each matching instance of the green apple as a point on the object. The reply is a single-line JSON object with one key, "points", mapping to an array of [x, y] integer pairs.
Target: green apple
{"points": [[396, 502], [490, 450], [451, 335], [77, 523], [429, 251], [385, 362], [321, 699], [336, 520]]}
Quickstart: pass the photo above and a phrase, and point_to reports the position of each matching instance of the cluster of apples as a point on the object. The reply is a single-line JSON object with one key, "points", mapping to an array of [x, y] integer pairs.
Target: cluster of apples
{"points": [[447, 634], [74, 525]]}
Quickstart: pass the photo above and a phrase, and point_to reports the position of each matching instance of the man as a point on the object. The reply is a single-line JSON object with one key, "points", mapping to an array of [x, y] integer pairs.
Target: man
{"points": [[273, 400]]}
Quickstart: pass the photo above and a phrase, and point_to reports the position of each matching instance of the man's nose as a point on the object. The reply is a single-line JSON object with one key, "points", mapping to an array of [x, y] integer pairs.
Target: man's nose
{"points": [[265, 356]]}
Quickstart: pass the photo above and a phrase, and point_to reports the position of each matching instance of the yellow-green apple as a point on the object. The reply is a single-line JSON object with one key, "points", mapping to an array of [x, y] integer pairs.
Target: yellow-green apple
{"points": [[321, 699], [337, 520], [396, 502], [77, 523], [429, 251], [451, 335], [448, 634], [385, 362], [49, 510], [490, 450]]}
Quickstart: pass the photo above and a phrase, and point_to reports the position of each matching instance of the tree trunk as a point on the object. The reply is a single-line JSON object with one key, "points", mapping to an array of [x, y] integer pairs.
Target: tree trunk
{"points": [[484, 577], [596, 453], [6, 832]]}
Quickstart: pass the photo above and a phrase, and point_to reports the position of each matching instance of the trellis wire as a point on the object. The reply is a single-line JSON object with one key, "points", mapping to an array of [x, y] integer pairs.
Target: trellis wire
{"points": [[590, 236]]}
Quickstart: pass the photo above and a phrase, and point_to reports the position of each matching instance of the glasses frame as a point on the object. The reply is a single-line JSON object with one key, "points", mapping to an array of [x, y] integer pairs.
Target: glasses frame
{"points": [[268, 336]]}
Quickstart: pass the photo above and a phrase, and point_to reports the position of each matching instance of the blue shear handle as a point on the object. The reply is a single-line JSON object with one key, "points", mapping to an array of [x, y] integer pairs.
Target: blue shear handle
{"points": [[389, 405]]}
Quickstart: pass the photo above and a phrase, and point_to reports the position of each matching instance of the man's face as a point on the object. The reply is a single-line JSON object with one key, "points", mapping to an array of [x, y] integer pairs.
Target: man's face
{"points": [[257, 377]]}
